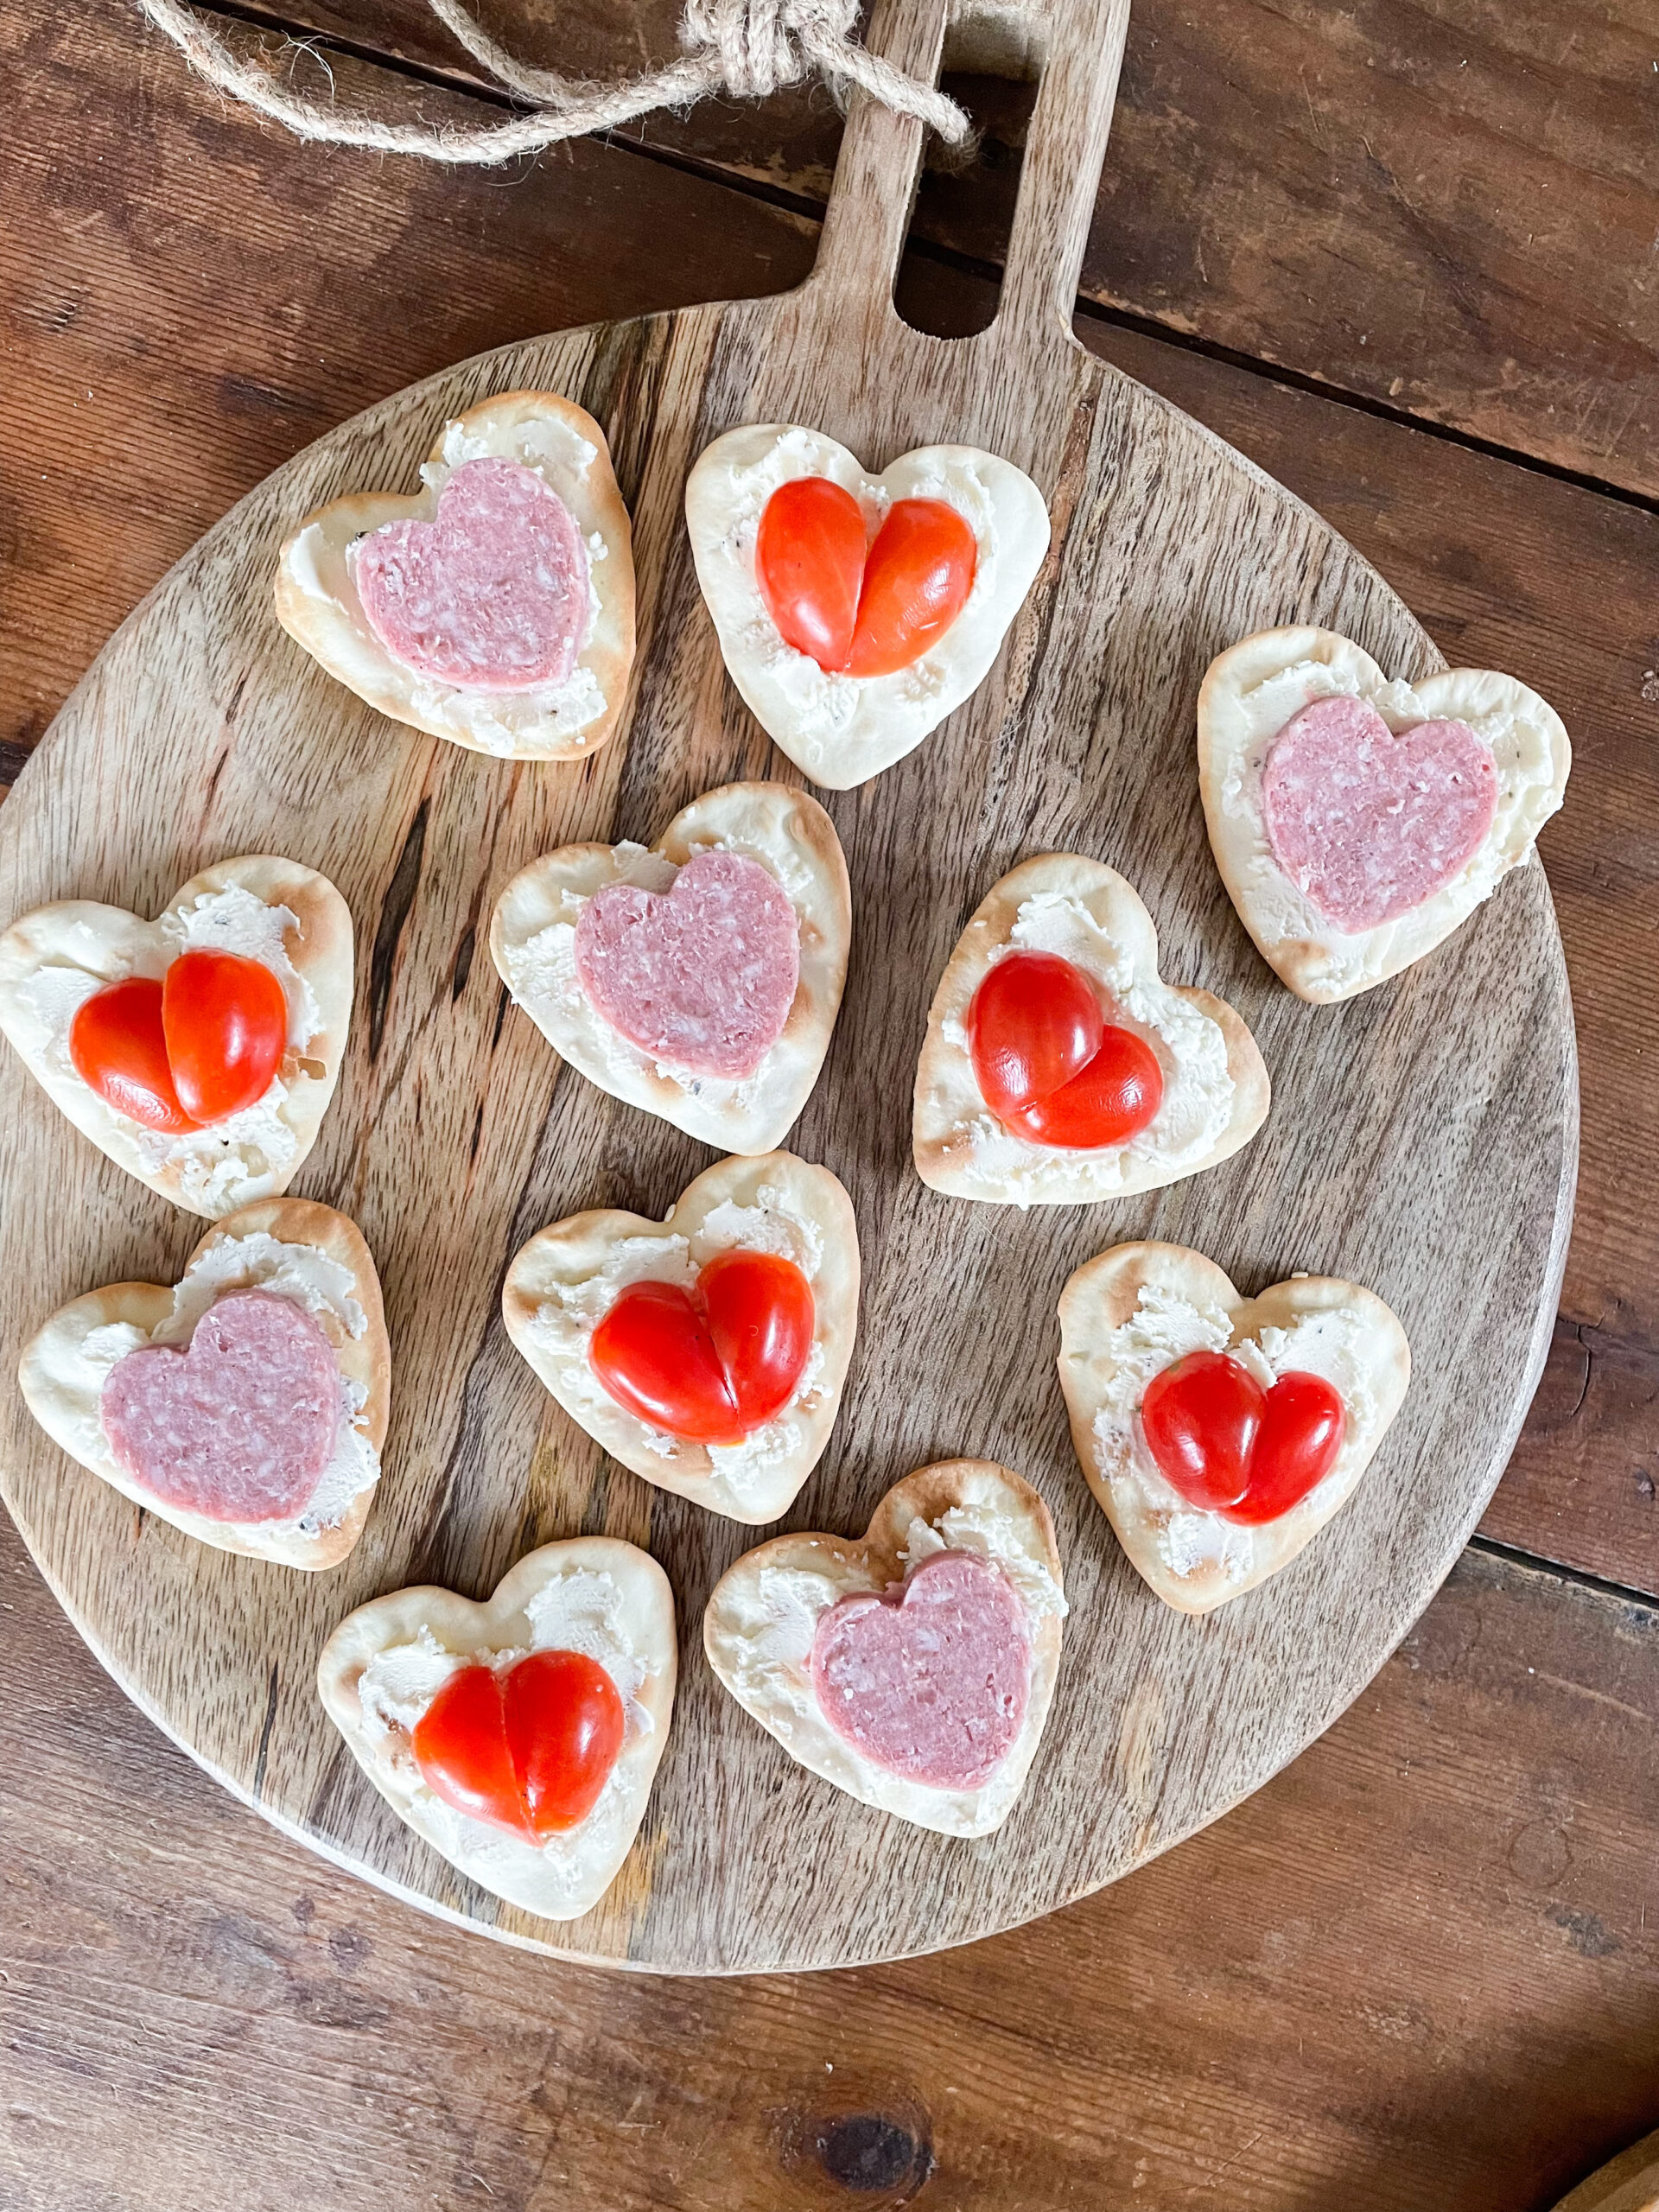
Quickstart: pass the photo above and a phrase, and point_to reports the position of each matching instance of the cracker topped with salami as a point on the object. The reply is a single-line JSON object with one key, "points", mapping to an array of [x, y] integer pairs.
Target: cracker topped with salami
{"points": [[706, 1352], [198, 1051], [913, 1668], [699, 977], [1358, 821], [495, 607], [247, 1405]]}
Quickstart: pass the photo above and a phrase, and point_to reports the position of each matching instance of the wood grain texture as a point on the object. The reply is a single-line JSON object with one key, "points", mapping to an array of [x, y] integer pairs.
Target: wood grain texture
{"points": [[201, 728], [216, 262], [1417, 1972], [1448, 209], [238, 287]]}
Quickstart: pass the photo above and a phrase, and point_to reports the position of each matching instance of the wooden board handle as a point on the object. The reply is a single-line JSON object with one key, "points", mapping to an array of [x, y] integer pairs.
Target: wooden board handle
{"points": [[868, 214], [1061, 172]]}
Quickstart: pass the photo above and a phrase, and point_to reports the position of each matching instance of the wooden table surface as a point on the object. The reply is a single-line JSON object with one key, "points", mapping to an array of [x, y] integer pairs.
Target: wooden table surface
{"points": [[1402, 252]]}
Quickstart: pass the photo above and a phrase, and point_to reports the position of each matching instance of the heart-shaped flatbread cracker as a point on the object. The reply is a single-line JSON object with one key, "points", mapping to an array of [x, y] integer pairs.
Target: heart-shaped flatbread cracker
{"points": [[844, 729], [384, 1665], [1133, 1312], [534, 943], [288, 1250], [1347, 861], [287, 917], [1214, 1086], [320, 604], [765, 1615], [565, 1280]]}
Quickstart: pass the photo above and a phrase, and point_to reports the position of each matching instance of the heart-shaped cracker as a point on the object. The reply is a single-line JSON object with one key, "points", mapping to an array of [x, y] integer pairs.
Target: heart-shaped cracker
{"points": [[764, 1615], [844, 729], [1249, 696], [288, 917], [386, 1662], [318, 602], [564, 1281], [1136, 1310], [287, 1248], [533, 939], [1216, 1088]]}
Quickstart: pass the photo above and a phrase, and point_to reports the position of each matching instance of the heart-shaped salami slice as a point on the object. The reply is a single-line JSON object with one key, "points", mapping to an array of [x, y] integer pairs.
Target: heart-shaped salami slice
{"points": [[1357, 821], [914, 1666], [703, 975], [1368, 824], [240, 1425], [491, 594], [930, 1679]]}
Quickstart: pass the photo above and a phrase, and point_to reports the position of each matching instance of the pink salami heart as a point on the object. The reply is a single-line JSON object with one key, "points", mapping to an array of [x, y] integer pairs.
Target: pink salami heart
{"points": [[239, 1426], [491, 593], [703, 975], [1369, 824], [930, 1681]]}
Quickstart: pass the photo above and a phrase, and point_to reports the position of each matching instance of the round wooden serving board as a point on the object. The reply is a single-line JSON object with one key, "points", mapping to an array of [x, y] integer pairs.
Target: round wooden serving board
{"points": [[1422, 1141]]}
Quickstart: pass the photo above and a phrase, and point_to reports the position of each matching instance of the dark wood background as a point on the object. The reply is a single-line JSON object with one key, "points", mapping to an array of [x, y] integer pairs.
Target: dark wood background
{"points": [[1403, 253]]}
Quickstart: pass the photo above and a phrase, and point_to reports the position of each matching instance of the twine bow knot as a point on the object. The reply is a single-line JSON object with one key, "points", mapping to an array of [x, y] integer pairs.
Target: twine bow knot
{"points": [[746, 48]]}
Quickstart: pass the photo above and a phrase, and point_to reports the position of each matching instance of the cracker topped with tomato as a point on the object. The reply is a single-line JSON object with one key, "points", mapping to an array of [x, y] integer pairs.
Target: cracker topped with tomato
{"points": [[854, 612], [706, 1352], [519, 1736], [198, 1051], [1219, 1434], [1058, 1067]]}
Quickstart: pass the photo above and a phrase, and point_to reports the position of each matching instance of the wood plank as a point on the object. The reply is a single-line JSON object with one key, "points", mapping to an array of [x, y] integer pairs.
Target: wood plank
{"points": [[1420, 1968], [1448, 209], [230, 287]]}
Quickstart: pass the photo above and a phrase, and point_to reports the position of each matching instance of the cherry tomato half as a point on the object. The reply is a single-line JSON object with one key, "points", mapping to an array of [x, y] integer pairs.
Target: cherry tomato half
{"points": [[809, 558], [1232, 1448], [917, 579], [118, 1046], [1048, 1064], [226, 1023], [527, 1750]]}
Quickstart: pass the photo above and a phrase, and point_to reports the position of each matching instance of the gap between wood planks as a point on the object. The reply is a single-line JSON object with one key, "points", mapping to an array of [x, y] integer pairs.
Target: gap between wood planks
{"points": [[464, 86]]}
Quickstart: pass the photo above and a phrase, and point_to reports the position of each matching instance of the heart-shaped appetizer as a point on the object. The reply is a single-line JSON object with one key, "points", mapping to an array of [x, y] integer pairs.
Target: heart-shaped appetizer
{"points": [[1357, 822], [700, 978], [248, 1404], [1058, 1068], [913, 1669], [519, 1736], [200, 1050], [1219, 1433], [706, 1352], [854, 612], [495, 606]]}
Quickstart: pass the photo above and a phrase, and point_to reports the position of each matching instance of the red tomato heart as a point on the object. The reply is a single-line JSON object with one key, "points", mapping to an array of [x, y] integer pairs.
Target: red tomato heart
{"points": [[714, 1363], [530, 1749], [1232, 1448], [867, 614], [117, 1048], [195, 1048], [1048, 1064]]}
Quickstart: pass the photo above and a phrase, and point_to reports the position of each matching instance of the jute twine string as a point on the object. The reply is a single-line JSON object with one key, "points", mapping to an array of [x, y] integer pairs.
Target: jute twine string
{"points": [[746, 48]]}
